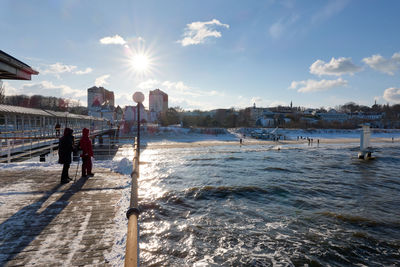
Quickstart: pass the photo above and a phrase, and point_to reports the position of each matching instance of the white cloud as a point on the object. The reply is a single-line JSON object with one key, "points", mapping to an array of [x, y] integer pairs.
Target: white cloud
{"points": [[185, 96], [58, 68], [257, 100], [149, 84], [189, 104], [197, 32], [123, 99], [316, 86], [47, 88], [176, 88], [277, 103], [86, 71], [261, 102], [116, 39], [8, 89], [100, 81], [335, 67], [379, 63], [392, 95]]}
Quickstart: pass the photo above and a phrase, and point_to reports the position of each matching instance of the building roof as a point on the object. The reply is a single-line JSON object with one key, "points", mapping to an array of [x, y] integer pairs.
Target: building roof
{"points": [[157, 92], [14, 69], [6, 109], [22, 110], [71, 115]]}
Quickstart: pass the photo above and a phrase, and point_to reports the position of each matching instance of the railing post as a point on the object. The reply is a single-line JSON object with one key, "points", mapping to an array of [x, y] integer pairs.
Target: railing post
{"points": [[30, 152], [109, 144], [13, 143], [9, 151]]}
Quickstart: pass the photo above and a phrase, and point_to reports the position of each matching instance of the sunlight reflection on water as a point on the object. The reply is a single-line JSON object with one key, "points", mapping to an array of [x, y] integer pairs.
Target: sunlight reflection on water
{"points": [[256, 206]]}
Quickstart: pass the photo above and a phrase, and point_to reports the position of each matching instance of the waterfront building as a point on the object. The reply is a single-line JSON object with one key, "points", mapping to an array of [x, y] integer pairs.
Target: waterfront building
{"points": [[261, 116], [101, 103], [118, 113], [158, 104], [333, 115], [129, 118]]}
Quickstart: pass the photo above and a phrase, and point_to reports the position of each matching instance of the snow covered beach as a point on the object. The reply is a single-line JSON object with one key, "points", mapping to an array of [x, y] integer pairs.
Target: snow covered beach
{"points": [[180, 137]]}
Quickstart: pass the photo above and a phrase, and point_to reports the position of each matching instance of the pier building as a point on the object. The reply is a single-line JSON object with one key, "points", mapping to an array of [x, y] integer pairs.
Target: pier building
{"points": [[27, 130], [14, 69]]}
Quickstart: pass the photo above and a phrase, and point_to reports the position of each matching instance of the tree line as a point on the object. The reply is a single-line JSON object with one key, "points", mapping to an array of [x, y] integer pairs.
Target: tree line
{"points": [[232, 118]]}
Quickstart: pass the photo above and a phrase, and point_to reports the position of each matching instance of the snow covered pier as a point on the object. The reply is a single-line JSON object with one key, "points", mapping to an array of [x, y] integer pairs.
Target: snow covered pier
{"points": [[44, 223]]}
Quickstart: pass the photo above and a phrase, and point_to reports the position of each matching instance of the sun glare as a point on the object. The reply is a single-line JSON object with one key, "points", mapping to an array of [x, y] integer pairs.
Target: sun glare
{"points": [[140, 63]]}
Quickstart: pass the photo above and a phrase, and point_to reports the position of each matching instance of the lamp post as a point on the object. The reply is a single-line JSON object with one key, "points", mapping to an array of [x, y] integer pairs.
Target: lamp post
{"points": [[138, 97], [132, 243]]}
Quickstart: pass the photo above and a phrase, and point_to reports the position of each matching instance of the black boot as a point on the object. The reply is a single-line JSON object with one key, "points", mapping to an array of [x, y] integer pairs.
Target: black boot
{"points": [[65, 181]]}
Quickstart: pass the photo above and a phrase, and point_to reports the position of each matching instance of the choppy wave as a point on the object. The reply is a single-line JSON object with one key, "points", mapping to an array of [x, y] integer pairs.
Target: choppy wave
{"points": [[208, 192], [278, 169], [255, 206]]}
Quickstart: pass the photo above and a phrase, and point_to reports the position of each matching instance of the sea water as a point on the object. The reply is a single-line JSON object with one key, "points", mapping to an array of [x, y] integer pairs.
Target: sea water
{"points": [[264, 205]]}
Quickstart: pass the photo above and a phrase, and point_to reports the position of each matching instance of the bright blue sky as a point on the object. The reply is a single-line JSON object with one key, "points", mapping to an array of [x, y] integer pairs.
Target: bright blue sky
{"points": [[209, 54]]}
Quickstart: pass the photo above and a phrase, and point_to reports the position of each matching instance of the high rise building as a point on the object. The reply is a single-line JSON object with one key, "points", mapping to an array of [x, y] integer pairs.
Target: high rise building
{"points": [[101, 102], [99, 96], [158, 103]]}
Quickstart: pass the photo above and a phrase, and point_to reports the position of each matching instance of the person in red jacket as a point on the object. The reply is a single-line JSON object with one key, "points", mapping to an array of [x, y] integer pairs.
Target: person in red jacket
{"points": [[87, 153]]}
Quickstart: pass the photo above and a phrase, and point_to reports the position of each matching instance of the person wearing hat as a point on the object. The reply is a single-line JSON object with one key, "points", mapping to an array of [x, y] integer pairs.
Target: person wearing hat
{"points": [[65, 148], [87, 153]]}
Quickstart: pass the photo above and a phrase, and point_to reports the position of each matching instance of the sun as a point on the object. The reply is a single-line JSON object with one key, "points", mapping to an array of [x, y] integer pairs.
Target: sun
{"points": [[140, 63]]}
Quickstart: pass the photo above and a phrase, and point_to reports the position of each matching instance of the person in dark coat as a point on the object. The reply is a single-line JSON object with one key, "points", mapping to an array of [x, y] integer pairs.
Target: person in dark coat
{"points": [[65, 148], [87, 153]]}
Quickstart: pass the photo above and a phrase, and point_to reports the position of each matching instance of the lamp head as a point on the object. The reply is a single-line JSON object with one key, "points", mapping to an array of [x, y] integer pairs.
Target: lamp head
{"points": [[138, 97]]}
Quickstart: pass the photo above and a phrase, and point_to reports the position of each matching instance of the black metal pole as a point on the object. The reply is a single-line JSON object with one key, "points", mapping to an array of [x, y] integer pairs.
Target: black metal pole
{"points": [[138, 129]]}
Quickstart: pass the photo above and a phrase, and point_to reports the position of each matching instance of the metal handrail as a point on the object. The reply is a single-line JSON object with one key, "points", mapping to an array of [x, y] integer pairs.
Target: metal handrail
{"points": [[132, 239]]}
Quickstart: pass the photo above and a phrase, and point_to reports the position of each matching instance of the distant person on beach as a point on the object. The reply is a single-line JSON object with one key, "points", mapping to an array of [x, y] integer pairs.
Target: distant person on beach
{"points": [[58, 128], [65, 148], [87, 153], [241, 141]]}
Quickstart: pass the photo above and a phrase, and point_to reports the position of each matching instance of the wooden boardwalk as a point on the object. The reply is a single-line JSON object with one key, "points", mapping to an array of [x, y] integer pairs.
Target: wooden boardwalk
{"points": [[43, 223]]}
